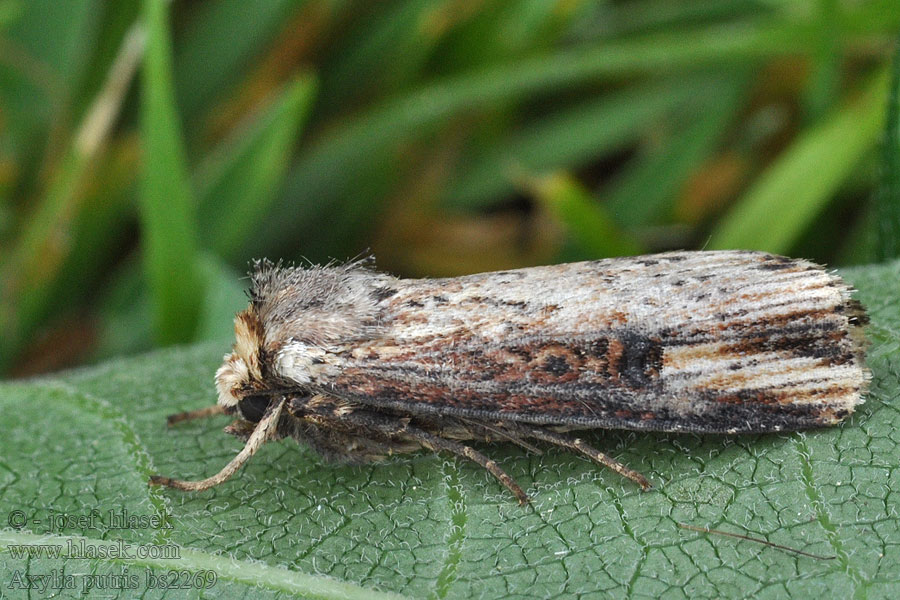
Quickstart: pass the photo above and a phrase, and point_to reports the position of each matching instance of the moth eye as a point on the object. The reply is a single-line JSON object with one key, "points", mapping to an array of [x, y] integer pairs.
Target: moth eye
{"points": [[253, 407]]}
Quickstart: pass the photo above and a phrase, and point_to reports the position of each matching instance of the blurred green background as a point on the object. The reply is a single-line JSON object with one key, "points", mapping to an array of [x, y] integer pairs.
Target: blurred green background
{"points": [[149, 149]]}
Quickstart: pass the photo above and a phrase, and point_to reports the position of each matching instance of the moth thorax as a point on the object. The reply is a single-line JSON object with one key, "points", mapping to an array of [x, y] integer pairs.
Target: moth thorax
{"points": [[305, 363]]}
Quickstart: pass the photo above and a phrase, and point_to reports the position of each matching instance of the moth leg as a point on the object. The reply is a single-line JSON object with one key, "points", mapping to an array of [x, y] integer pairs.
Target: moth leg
{"points": [[402, 429], [595, 455], [265, 430], [437, 443], [190, 415], [487, 431]]}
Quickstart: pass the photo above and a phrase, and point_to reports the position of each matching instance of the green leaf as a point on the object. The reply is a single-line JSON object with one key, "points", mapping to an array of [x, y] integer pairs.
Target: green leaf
{"points": [[168, 225], [779, 207], [434, 526]]}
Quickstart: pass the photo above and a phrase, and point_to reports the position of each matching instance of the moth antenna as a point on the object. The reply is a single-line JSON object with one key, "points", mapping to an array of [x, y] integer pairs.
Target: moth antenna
{"points": [[265, 430], [190, 415], [592, 453]]}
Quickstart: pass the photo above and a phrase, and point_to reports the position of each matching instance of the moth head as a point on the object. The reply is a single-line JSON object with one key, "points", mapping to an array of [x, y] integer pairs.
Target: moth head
{"points": [[296, 318], [241, 373]]}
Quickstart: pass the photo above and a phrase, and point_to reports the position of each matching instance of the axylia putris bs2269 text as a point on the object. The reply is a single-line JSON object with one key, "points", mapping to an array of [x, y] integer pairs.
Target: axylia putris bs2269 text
{"points": [[360, 365]]}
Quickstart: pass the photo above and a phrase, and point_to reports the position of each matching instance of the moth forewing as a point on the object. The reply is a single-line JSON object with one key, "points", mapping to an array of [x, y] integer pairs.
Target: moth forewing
{"points": [[719, 342]]}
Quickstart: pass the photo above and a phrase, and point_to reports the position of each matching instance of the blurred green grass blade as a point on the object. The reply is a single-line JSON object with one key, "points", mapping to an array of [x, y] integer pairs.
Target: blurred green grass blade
{"points": [[380, 55], [168, 229], [104, 217], [225, 297], [219, 42], [237, 184], [114, 21], [10, 11], [566, 139], [126, 313], [56, 34], [785, 199], [646, 15], [43, 57], [644, 192], [31, 271], [532, 24], [824, 80], [319, 183], [592, 229], [509, 29], [887, 209], [32, 266]]}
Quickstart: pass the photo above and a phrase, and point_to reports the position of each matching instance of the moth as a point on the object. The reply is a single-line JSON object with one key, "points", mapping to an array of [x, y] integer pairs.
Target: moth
{"points": [[361, 365]]}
